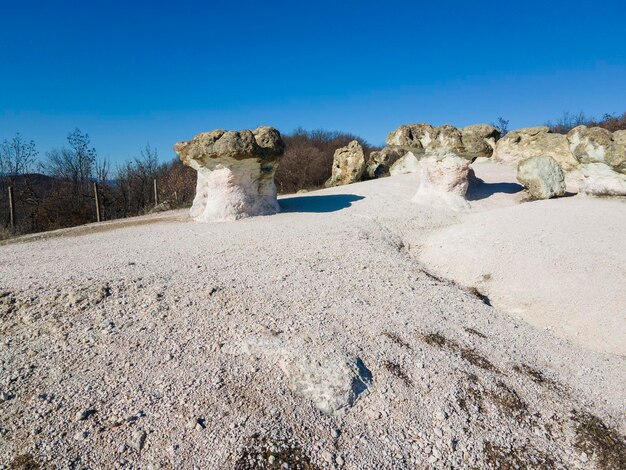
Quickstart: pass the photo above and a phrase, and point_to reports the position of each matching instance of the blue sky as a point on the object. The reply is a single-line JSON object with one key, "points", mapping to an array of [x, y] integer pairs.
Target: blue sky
{"points": [[158, 72]]}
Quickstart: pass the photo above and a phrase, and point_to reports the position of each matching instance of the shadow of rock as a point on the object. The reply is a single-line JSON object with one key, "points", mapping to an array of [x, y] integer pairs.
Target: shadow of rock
{"points": [[478, 189], [330, 203]]}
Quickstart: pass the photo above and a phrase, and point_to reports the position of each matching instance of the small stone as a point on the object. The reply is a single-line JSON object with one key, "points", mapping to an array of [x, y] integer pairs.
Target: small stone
{"points": [[339, 460], [335, 433], [327, 456], [84, 414], [439, 432], [81, 436], [137, 440], [271, 459]]}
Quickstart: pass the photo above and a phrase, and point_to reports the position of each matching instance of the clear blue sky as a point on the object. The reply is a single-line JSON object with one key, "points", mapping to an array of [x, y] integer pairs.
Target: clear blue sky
{"points": [[135, 72]]}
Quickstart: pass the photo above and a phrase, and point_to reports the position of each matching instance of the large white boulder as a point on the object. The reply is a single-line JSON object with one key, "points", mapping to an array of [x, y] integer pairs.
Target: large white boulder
{"points": [[348, 165], [235, 172], [599, 179], [590, 144], [542, 177], [407, 164], [535, 142], [443, 181]]}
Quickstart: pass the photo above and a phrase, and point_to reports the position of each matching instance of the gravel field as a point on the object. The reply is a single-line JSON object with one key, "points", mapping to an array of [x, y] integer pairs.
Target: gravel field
{"points": [[352, 330]]}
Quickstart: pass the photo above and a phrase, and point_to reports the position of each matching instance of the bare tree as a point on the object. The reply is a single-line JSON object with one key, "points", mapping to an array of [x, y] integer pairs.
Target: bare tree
{"points": [[17, 156], [74, 164]]}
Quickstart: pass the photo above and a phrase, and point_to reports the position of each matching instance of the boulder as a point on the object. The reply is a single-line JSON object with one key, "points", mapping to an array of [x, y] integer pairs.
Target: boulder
{"points": [[407, 164], [443, 180], [333, 382], [412, 137], [329, 377], [348, 165], [235, 172], [589, 144], [535, 142], [380, 161], [616, 156], [542, 177], [479, 140], [599, 179]]}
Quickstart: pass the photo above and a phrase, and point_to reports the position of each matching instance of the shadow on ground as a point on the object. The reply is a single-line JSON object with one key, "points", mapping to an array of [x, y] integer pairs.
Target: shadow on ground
{"points": [[330, 203], [478, 189]]}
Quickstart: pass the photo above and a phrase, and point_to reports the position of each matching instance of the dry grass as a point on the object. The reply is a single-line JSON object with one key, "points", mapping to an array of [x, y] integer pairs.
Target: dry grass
{"points": [[597, 439]]}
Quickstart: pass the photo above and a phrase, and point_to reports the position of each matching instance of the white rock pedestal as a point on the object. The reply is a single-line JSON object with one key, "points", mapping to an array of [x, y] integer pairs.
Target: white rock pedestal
{"points": [[235, 173], [443, 181]]}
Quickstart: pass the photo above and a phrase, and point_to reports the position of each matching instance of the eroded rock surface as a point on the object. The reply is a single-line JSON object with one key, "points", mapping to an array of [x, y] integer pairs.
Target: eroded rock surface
{"points": [[535, 142], [443, 180], [599, 179], [331, 379], [542, 177], [235, 172], [348, 165], [473, 141]]}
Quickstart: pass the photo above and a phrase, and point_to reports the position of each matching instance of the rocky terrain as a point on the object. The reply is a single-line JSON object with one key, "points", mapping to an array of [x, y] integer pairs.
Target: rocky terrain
{"points": [[335, 334]]}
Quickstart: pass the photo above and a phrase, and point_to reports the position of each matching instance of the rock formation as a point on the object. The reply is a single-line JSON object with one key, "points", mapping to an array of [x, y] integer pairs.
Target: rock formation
{"points": [[598, 145], [380, 161], [423, 139], [535, 142], [235, 172], [542, 177], [330, 378], [443, 180], [409, 163], [599, 179], [348, 165]]}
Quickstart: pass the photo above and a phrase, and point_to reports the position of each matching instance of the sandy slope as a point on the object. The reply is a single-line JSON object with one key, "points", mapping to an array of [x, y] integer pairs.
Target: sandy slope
{"points": [[172, 344]]}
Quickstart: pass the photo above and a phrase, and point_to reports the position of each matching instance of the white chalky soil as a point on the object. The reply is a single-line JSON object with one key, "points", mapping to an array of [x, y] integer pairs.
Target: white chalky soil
{"points": [[326, 336]]}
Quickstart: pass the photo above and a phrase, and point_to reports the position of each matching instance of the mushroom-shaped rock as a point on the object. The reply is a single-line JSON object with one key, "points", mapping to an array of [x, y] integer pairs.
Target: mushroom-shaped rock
{"points": [[478, 140], [599, 179], [535, 142], [235, 172], [542, 177], [443, 181], [348, 165]]}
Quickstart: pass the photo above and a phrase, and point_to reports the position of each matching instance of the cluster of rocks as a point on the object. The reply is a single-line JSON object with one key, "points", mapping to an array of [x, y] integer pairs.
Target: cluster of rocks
{"points": [[592, 157], [236, 169]]}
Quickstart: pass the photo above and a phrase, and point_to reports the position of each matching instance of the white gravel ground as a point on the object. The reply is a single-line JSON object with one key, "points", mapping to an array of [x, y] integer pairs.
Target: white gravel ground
{"points": [[163, 343]]}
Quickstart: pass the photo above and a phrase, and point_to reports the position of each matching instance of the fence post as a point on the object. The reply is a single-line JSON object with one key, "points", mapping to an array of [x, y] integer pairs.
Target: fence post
{"points": [[11, 208], [95, 193], [156, 195]]}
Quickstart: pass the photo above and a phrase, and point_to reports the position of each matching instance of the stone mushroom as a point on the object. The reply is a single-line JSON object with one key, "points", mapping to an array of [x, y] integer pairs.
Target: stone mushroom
{"points": [[235, 172]]}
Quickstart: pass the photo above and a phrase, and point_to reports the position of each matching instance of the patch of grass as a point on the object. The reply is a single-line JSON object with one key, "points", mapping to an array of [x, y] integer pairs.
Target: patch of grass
{"points": [[596, 438], [474, 332], [396, 339], [535, 375], [470, 355], [509, 401], [24, 462], [515, 458], [267, 453], [397, 371]]}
